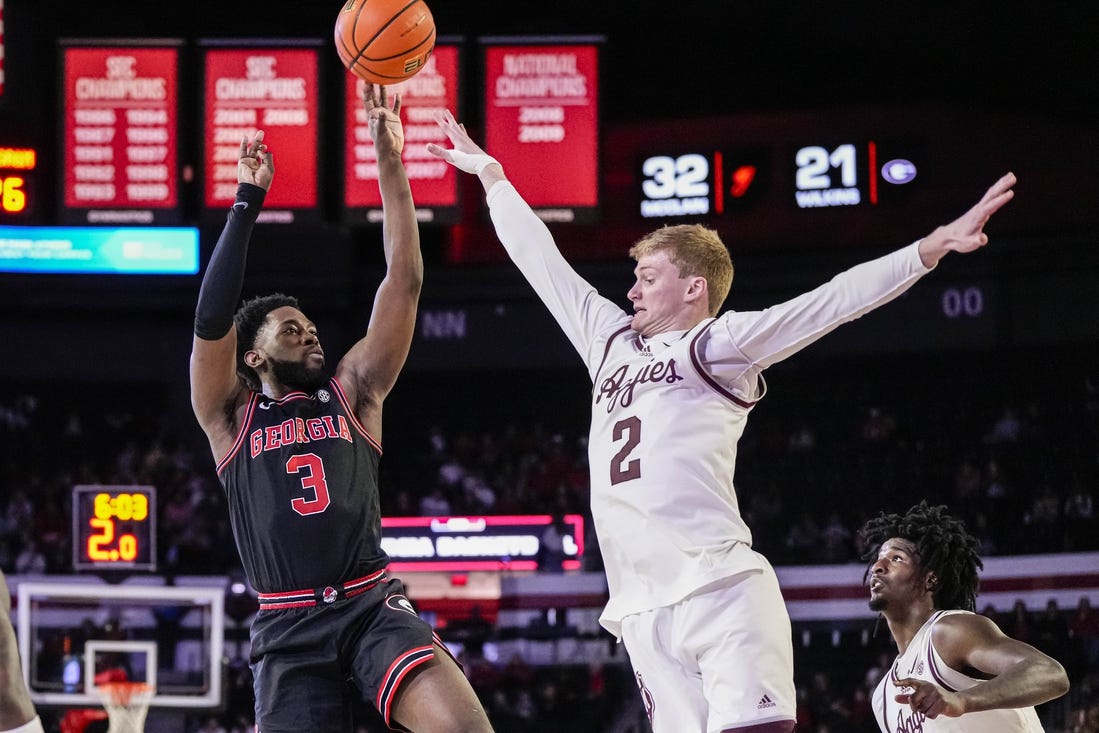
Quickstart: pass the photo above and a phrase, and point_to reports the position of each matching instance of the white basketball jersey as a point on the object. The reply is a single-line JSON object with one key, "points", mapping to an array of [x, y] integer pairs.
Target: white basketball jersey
{"points": [[667, 411], [921, 661]]}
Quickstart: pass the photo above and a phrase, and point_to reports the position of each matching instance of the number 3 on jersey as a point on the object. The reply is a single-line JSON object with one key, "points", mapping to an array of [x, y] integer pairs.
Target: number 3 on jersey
{"points": [[310, 468], [623, 468]]}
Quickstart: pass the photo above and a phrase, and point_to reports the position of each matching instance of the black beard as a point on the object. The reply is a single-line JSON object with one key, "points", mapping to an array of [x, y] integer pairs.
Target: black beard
{"points": [[297, 375], [878, 604]]}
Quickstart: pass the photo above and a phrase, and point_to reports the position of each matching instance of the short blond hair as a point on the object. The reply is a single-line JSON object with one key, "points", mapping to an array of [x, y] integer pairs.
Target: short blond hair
{"points": [[695, 251]]}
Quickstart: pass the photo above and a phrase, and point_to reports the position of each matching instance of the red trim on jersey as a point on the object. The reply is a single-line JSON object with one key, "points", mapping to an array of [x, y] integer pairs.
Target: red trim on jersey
{"points": [[708, 378], [396, 673], [930, 652], [242, 435], [308, 597], [354, 418]]}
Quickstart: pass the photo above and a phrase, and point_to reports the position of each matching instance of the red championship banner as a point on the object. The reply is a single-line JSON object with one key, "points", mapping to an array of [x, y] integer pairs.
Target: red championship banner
{"points": [[120, 134], [542, 122], [434, 182], [274, 89]]}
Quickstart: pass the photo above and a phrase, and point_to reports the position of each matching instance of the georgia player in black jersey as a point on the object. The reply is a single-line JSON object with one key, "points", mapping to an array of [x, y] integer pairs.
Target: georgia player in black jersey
{"points": [[298, 453]]}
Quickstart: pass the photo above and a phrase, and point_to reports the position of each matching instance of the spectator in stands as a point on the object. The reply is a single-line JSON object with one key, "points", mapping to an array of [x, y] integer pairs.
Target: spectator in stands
{"points": [[1019, 624], [1083, 629], [435, 504], [1051, 630], [30, 560]]}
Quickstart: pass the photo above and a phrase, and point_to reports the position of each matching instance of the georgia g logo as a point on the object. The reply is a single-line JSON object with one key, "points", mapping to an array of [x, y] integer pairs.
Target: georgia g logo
{"points": [[400, 603]]}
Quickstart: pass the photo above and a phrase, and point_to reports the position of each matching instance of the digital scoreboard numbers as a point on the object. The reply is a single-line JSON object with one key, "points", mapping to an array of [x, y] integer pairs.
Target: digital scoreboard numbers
{"points": [[542, 122], [434, 182], [114, 528], [718, 182], [120, 134], [17, 189], [701, 184], [849, 174], [270, 88]]}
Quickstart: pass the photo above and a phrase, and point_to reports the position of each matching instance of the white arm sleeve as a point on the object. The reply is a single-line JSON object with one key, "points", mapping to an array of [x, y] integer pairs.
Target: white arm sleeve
{"points": [[582, 313], [754, 340]]}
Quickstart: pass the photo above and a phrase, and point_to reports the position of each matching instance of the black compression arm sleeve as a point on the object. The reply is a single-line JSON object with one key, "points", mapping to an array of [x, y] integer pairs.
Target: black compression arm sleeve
{"points": [[224, 278]]}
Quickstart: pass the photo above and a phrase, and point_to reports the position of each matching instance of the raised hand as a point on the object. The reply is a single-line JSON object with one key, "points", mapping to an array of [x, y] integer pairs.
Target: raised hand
{"points": [[386, 129], [255, 165], [966, 233], [466, 154]]}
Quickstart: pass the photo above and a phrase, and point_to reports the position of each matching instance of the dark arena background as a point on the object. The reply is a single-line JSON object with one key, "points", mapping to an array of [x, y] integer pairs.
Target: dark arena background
{"points": [[811, 135]]}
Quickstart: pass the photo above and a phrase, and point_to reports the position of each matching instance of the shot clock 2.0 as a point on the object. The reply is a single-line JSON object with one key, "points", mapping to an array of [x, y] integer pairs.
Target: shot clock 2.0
{"points": [[114, 528]]}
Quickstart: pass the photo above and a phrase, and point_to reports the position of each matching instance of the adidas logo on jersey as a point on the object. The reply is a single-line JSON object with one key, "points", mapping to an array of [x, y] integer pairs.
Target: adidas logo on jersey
{"points": [[765, 702]]}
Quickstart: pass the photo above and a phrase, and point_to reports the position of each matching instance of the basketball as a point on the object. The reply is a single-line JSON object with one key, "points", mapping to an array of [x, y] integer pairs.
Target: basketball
{"points": [[384, 41]]}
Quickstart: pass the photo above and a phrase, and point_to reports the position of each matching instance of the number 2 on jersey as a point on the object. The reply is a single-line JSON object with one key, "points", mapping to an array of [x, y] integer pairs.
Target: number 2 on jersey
{"points": [[313, 481], [622, 468]]}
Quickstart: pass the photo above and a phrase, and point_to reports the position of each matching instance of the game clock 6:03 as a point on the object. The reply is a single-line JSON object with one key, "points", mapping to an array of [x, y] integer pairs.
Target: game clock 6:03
{"points": [[114, 527]]}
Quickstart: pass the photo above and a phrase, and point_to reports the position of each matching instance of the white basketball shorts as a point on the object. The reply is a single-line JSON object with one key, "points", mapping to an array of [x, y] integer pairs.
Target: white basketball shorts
{"points": [[722, 658]]}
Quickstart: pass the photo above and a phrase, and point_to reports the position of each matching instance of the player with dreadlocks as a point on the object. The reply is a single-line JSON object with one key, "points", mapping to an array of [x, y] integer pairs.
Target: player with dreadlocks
{"points": [[955, 671]]}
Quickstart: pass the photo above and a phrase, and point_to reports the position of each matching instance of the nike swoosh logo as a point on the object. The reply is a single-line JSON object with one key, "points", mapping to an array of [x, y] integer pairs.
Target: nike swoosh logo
{"points": [[242, 204]]}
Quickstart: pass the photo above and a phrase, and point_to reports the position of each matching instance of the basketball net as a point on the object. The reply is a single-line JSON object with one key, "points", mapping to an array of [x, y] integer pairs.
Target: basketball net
{"points": [[127, 704]]}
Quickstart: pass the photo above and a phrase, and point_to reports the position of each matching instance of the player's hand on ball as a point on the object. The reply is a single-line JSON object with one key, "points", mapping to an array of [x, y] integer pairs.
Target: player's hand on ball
{"points": [[386, 129], [255, 165]]}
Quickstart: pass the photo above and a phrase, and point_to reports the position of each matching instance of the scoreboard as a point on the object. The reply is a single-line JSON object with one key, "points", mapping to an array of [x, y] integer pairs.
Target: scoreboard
{"points": [[815, 176], [18, 197]]}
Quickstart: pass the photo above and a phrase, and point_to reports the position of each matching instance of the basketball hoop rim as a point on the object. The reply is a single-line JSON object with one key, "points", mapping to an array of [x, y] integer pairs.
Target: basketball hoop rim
{"points": [[125, 693]]}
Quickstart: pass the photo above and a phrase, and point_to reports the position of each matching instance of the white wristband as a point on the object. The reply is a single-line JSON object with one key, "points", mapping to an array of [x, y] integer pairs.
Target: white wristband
{"points": [[471, 162]]}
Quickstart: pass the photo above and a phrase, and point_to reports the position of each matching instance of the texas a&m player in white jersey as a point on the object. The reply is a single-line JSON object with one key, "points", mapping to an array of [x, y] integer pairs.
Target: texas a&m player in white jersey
{"points": [[699, 611], [956, 672]]}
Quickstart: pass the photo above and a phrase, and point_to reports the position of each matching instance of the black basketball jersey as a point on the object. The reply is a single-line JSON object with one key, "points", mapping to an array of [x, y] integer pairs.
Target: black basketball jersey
{"points": [[302, 487]]}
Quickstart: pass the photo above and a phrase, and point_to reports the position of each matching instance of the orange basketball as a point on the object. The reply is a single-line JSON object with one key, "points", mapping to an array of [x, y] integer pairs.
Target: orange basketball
{"points": [[384, 41]]}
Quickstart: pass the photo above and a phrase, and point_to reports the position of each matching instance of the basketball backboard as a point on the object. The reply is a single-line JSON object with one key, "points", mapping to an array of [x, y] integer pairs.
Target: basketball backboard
{"points": [[73, 633]]}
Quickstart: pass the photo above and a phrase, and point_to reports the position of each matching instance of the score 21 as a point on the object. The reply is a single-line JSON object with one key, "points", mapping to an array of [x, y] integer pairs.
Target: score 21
{"points": [[845, 175]]}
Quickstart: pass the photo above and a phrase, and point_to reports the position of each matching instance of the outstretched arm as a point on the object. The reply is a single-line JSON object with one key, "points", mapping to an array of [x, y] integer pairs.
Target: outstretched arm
{"points": [[780, 331], [215, 386], [370, 369], [966, 233], [572, 301], [1021, 675]]}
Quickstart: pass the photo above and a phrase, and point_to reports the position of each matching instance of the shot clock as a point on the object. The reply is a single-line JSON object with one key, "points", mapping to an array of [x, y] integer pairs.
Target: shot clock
{"points": [[114, 528]]}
